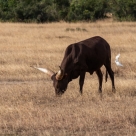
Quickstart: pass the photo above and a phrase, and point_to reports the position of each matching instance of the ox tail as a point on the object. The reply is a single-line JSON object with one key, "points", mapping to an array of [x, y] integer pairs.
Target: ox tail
{"points": [[106, 76]]}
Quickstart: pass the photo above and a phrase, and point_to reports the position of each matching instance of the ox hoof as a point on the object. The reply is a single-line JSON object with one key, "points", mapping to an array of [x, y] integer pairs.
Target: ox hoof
{"points": [[113, 90], [81, 92], [100, 91]]}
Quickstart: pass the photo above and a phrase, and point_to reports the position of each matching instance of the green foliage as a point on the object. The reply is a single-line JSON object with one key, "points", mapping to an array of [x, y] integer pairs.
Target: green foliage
{"points": [[67, 10], [28, 11], [87, 10], [37, 11], [62, 7], [124, 10], [5, 9]]}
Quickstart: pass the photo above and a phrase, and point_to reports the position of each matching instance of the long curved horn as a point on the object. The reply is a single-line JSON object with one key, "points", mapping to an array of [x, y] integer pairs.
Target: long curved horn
{"points": [[59, 75], [44, 70]]}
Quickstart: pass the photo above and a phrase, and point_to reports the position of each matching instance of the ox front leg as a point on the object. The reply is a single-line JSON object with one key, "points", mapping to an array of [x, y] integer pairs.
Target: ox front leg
{"points": [[100, 78], [81, 81]]}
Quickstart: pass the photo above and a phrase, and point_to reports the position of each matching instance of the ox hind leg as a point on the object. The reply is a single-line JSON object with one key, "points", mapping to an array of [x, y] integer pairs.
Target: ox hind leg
{"points": [[100, 78], [111, 73], [81, 81]]}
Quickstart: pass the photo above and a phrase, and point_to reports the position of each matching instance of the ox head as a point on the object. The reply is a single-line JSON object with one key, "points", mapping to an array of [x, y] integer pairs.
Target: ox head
{"points": [[60, 80]]}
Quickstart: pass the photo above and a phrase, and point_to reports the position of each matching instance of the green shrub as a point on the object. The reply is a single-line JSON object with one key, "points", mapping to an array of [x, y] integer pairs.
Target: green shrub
{"points": [[124, 10], [68, 10], [87, 10]]}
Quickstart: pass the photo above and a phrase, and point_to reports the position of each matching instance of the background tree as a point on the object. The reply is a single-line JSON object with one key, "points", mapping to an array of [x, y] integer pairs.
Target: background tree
{"points": [[124, 10], [87, 10], [67, 10]]}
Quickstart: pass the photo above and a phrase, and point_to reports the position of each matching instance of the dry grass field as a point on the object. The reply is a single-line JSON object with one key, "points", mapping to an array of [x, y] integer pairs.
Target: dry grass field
{"points": [[28, 105]]}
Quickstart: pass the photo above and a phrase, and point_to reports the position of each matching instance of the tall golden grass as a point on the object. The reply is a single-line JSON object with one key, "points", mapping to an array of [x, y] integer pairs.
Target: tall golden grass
{"points": [[28, 105]]}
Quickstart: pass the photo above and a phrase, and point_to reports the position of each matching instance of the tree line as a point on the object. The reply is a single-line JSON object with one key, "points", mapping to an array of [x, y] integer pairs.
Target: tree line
{"points": [[68, 10]]}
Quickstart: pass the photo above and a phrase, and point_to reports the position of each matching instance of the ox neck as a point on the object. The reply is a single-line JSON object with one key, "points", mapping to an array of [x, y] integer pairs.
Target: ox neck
{"points": [[67, 65]]}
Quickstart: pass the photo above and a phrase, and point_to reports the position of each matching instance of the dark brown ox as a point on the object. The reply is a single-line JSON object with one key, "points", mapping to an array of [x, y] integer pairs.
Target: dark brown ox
{"points": [[85, 56]]}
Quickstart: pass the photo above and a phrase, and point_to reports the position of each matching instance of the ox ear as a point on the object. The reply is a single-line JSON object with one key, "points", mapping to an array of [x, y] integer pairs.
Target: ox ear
{"points": [[53, 77]]}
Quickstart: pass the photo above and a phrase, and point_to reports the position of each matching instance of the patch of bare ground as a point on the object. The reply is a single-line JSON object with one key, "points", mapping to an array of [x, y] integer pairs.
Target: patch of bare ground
{"points": [[28, 105]]}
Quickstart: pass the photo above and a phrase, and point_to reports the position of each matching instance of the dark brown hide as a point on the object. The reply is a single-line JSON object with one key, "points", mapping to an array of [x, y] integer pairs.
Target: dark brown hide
{"points": [[85, 56]]}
